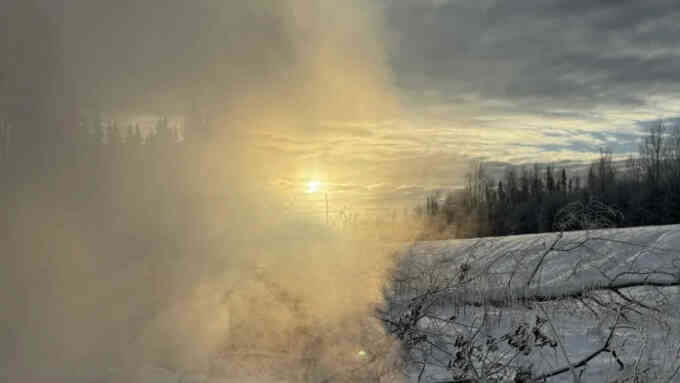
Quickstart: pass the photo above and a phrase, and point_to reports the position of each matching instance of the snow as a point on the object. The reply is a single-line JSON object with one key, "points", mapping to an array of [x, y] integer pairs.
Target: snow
{"points": [[499, 268], [502, 266]]}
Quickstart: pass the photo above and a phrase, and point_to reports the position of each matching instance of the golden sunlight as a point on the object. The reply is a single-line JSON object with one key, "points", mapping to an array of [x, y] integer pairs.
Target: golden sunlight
{"points": [[313, 186]]}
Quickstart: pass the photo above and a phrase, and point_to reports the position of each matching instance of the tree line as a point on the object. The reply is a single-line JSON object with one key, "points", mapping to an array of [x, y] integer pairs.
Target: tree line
{"points": [[120, 177], [644, 189]]}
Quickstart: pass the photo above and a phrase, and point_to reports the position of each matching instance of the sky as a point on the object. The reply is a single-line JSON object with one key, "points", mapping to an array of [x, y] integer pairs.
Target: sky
{"points": [[511, 82], [382, 100]]}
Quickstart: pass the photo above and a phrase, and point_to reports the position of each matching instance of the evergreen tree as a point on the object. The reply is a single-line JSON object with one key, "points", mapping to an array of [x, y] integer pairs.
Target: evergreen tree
{"points": [[501, 193], [536, 183], [549, 179], [563, 182]]}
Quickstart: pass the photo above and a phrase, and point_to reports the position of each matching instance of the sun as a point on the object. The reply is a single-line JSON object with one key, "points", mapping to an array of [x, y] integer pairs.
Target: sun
{"points": [[313, 186]]}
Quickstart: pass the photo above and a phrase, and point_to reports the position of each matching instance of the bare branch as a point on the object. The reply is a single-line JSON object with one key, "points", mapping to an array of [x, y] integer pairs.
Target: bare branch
{"points": [[586, 360], [542, 258], [508, 297]]}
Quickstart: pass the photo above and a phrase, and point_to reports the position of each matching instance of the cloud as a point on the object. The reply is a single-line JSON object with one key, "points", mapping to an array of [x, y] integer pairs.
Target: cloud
{"points": [[573, 54], [534, 80]]}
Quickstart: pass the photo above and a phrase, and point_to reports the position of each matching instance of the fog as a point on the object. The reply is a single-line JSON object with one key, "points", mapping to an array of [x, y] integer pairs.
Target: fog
{"points": [[176, 253]]}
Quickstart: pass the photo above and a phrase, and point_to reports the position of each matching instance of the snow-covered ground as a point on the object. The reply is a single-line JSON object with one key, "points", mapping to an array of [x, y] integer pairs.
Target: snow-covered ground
{"points": [[490, 297], [587, 281]]}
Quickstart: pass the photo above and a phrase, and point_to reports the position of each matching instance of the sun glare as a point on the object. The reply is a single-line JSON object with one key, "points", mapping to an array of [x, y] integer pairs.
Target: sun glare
{"points": [[313, 186]]}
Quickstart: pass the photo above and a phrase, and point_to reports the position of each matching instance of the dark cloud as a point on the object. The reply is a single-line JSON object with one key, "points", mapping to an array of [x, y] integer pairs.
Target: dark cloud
{"points": [[571, 54]]}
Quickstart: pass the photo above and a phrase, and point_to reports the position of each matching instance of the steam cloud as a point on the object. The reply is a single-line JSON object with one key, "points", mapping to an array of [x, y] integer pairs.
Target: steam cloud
{"points": [[82, 305]]}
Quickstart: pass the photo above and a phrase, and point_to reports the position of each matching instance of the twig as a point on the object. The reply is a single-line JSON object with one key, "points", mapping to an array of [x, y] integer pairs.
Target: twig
{"points": [[559, 342], [543, 256], [584, 361]]}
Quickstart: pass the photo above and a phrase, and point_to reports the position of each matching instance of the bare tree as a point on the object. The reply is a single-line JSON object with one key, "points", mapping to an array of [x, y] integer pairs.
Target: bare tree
{"points": [[652, 153]]}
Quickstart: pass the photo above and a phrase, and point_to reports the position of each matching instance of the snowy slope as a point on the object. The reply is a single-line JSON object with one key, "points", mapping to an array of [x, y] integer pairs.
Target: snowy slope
{"points": [[572, 269]]}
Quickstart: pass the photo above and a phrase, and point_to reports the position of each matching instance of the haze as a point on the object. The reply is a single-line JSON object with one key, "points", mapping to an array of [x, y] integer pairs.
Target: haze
{"points": [[258, 123]]}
